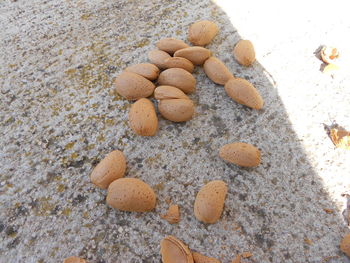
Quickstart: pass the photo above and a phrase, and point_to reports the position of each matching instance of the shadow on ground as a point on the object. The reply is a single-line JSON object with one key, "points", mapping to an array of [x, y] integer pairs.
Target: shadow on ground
{"points": [[59, 117]]}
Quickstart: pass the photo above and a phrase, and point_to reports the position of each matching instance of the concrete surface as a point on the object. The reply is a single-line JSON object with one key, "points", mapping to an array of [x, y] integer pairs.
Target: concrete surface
{"points": [[59, 116]]}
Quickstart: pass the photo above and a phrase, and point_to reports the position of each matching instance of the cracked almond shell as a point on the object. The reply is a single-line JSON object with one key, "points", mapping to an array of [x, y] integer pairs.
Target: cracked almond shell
{"points": [[110, 168], [171, 45], [179, 78], [202, 32], [146, 70], [197, 55], [174, 250], [217, 71], [131, 194], [243, 92], [133, 86], [199, 258], [209, 202], [241, 154], [244, 52], [176, 110], [172, 215], [143, 118]]}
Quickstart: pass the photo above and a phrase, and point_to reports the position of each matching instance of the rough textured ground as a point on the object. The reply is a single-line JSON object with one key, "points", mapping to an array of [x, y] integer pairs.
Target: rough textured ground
{"points": [[59, 116]]}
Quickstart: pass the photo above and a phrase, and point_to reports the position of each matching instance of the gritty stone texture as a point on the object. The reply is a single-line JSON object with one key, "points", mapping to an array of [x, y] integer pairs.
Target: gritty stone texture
{"points": [[59, 116]]}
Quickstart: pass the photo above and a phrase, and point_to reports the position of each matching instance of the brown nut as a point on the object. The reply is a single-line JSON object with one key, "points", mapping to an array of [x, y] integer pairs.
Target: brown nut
{"points": [[170, 45], [133, 86], [179, 78], [174, 250], [197, 55], [217, 71], [178, 62], [244, 52], [177, 110], [143, 118], [209, 202], [199, 258], [169, 92], [74, 260], [242, 154], [146, 70], [345, 245], [202, 32], [131, 194], [158, 57], [329, 54], [243, 92], [172, 215], [109, 169]]}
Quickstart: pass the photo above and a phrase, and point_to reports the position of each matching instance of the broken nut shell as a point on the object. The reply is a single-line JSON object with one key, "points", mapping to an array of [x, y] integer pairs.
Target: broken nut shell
{"points": [[174, 250]]}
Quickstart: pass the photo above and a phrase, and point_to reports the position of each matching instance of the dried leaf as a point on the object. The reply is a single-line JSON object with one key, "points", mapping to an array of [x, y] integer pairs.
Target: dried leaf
{"points": [[330, 69], [328, 211], [308, 241], [340, 138]]}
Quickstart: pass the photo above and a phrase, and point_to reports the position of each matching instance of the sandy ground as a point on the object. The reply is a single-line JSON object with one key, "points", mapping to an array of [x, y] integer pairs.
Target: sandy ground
{"points": [[59, 116]]}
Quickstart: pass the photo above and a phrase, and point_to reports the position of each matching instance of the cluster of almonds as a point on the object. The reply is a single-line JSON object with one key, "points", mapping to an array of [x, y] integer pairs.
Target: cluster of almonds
{"points": [[177, 60]]}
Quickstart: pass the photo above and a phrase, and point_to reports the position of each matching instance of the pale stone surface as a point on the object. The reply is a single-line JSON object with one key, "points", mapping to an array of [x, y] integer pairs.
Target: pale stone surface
{"points": [[59, 116]]}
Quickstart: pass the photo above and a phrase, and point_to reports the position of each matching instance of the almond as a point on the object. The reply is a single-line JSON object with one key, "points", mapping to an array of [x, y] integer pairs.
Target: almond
{"points": [[169, 92], [197, 55], [146, 70], [109, 169], [345, 245], [133, 86], [170, 45], [217, 71], [242, 154], [202, 32], [143, 118], [158, 57], [131, 194], [244, 52], [243, 92], [174, 250], [178, 78], [209, 202], [199, 258], [178, 62], [177, 110]]}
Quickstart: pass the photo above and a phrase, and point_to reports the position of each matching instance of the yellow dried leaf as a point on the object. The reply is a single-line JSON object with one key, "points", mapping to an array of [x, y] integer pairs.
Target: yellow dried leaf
{"points": [[330, 68], [308, 241], [328, 211], [341, 138]]}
